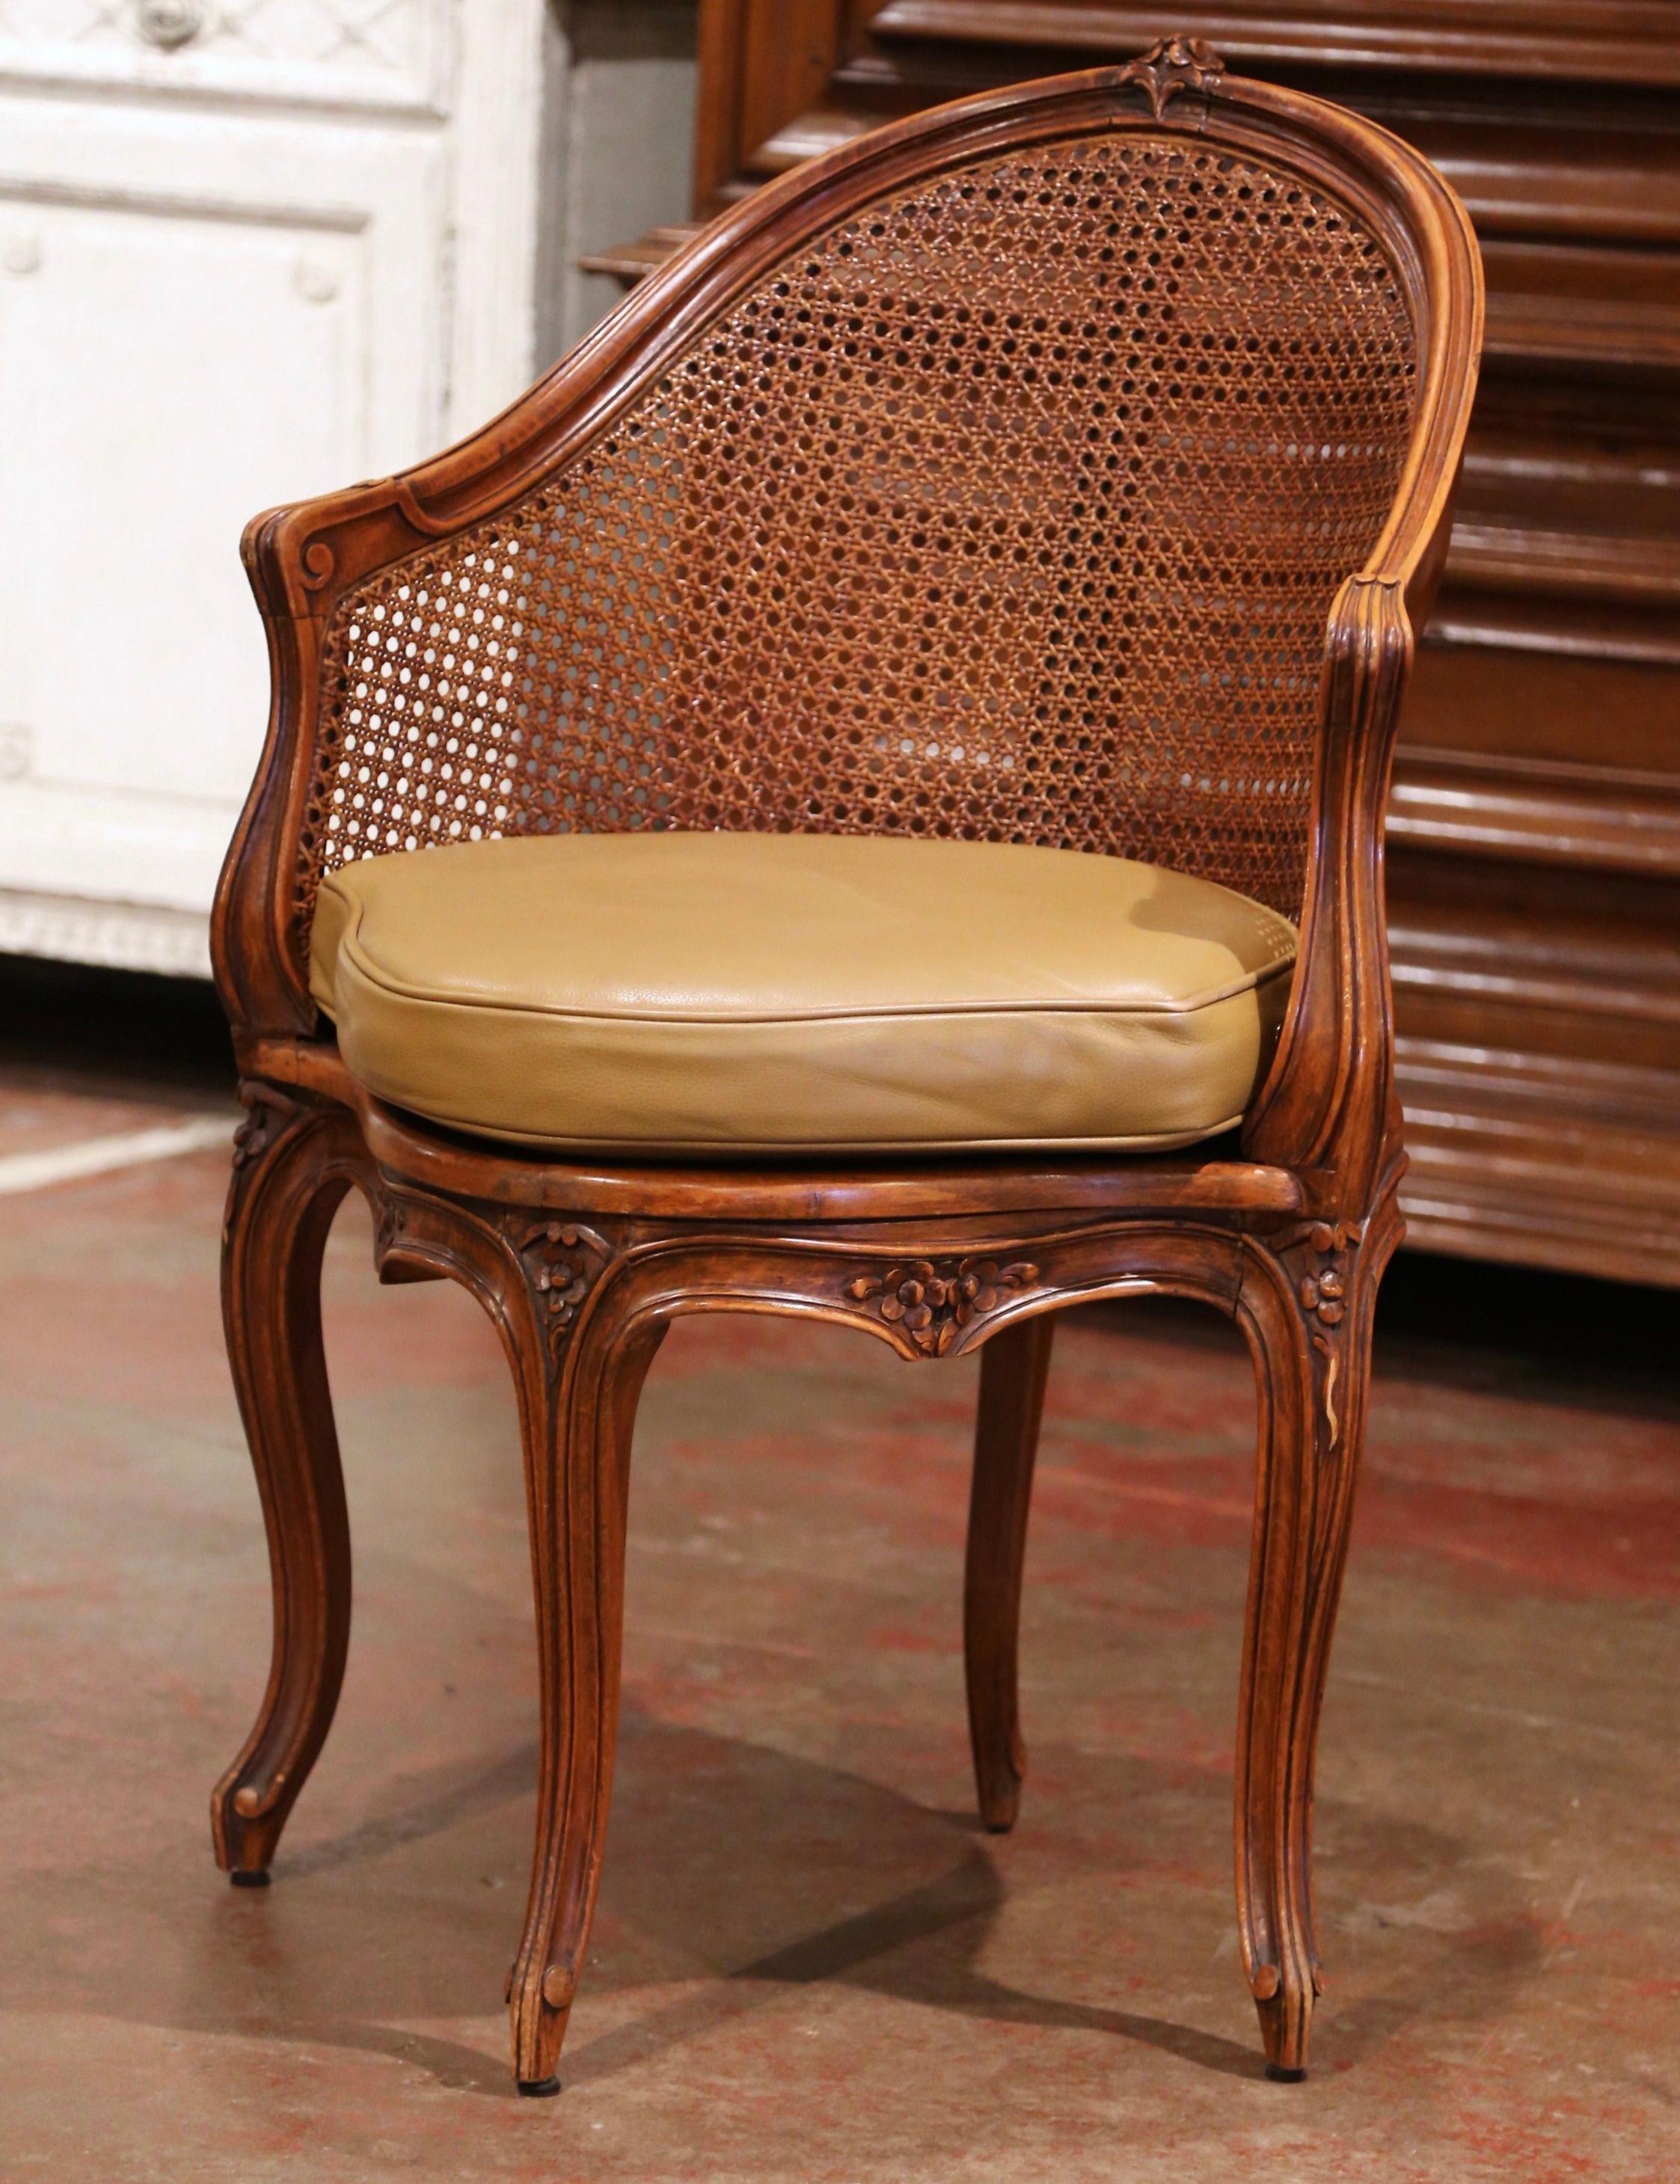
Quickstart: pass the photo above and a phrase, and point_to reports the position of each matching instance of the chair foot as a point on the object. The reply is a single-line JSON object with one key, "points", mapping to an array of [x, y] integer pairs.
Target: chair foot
{"points": [[543, 2089], [1280, 2076], [257, 1880]]}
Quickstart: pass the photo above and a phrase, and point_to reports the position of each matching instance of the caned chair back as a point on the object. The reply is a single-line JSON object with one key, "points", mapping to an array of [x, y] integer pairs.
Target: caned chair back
{"points": [[992, 477]]}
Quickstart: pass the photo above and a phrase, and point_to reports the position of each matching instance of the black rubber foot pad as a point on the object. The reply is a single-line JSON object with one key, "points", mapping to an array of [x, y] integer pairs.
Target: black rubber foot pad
{"points": [[1280, 2076], [249, 1879], [539, 2089]]}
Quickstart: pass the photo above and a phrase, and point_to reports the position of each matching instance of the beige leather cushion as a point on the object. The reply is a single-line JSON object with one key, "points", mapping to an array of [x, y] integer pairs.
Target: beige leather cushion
{"points": [[769, 994]]}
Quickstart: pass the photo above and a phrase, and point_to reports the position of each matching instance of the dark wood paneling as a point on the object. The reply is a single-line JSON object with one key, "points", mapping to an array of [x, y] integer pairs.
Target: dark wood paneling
{"points": [[1588, 38], [1535, 824]]}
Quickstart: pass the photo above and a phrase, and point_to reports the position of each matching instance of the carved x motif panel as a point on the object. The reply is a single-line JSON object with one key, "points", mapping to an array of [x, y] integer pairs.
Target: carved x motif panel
{"points": [[357, 39]]}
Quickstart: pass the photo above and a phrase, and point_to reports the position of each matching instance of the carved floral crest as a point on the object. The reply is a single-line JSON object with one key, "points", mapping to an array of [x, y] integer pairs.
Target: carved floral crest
{"points": [[932, 1304], [561, 1261], [1323, 1292], [1172, 66]]}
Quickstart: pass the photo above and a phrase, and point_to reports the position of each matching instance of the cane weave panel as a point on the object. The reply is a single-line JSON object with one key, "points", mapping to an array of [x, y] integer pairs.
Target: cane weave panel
{"points": [[1011, 508]]}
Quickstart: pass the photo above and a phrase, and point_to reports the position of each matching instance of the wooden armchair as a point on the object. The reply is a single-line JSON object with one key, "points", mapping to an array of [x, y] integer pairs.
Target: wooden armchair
{"points": [[878, 723]]}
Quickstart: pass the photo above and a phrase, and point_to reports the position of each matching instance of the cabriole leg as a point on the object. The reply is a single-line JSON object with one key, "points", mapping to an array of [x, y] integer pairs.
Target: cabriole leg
{"points": [[292, 1167], [1306, 1305], [1013, 1366], [578, 1407]]}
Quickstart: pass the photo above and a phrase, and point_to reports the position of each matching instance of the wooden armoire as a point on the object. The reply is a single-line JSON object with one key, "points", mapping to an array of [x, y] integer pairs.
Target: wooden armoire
{"points": [[1534, 833]]}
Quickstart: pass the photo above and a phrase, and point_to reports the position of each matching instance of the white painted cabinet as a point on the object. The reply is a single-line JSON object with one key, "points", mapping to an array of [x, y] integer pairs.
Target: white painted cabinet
{"points": [[249, 249]]}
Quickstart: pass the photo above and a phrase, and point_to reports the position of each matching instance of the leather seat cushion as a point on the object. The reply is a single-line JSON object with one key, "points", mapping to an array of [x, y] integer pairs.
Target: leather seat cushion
{"points": [[772, 994]]}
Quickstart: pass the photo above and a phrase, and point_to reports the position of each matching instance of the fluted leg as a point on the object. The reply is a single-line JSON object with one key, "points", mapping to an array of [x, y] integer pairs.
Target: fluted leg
{"points": [[578, 1405], [292, 1167], [1013, 1366], [1307, 1307]]}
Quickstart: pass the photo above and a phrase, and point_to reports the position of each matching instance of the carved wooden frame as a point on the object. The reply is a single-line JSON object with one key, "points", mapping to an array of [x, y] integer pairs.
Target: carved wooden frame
{"points": [[582, 1267]]}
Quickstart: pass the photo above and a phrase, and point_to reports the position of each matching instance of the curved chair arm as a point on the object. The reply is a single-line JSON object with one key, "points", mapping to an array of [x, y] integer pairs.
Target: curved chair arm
{"points": [[301, 561], [1328, 1109]]}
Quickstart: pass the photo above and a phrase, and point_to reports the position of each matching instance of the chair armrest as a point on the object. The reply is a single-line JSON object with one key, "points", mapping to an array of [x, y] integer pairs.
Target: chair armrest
{"points": [[304, 560], [291, 562], [1328, 1104]]}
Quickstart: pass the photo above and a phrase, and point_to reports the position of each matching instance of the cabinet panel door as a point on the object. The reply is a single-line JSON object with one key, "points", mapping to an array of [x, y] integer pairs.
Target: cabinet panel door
{"points": [[199, 316], [377, 55]]}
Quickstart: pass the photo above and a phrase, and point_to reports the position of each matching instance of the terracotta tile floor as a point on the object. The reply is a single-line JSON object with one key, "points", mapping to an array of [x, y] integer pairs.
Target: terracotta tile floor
{"points": [[809, 1962]]}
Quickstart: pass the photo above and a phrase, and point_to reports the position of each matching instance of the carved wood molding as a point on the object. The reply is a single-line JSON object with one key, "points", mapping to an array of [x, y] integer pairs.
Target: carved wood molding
{"points": [[1497, 806], [518, 1265], [1323, 1256], [562, 1261], [283, 1137], [1171, 67], [1502, 1167], [1631, 569], [267, 1113], [1553, 629], [933, 1304]]}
